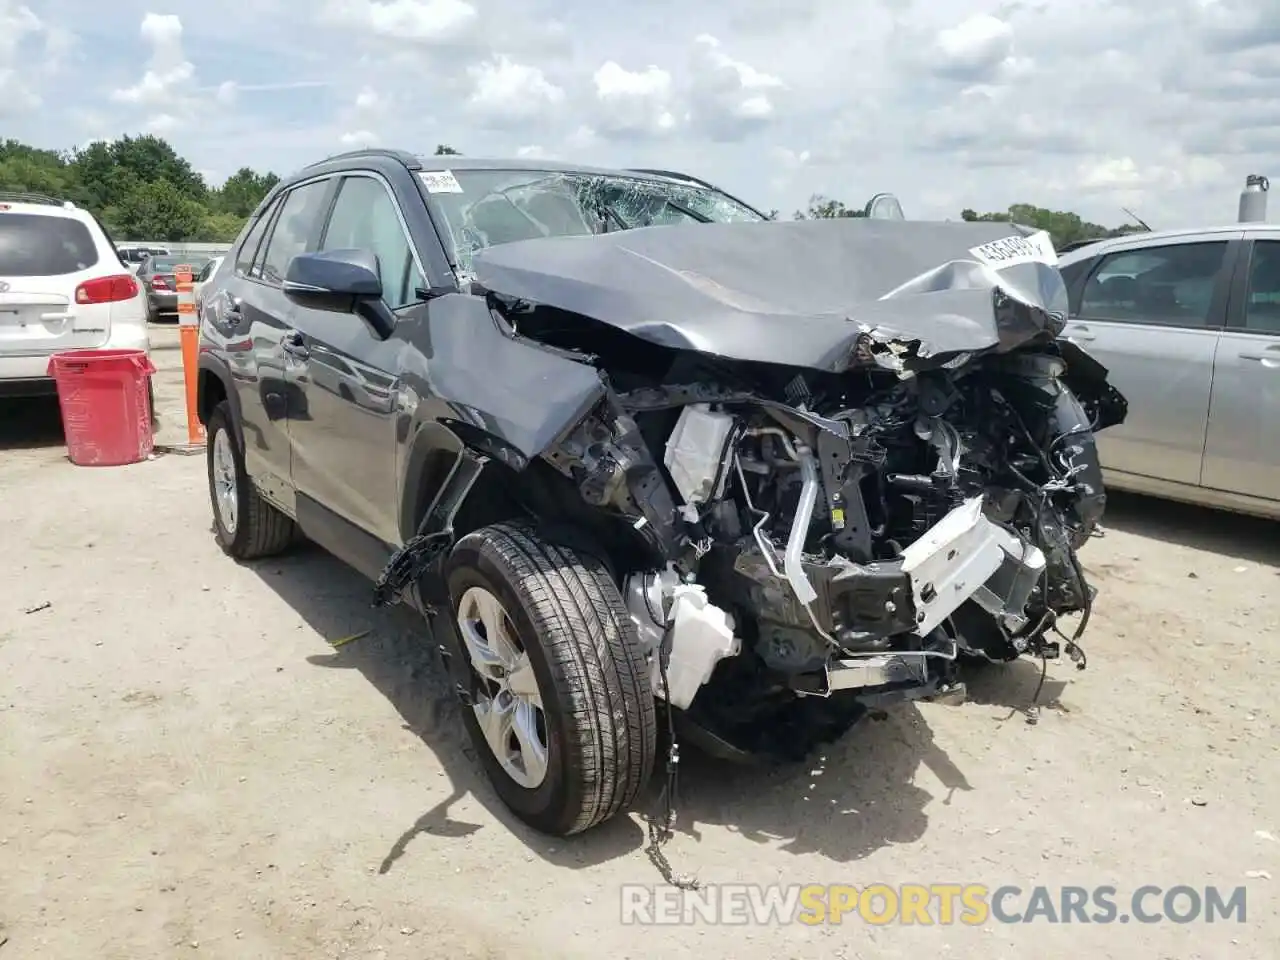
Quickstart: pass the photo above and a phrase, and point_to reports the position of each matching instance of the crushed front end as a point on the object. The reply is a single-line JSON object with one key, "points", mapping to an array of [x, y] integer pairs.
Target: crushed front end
{"points": [[833, 542]]}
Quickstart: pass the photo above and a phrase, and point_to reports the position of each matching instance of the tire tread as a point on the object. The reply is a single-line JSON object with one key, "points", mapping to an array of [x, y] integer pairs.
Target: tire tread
{"points": [[593, 650]]}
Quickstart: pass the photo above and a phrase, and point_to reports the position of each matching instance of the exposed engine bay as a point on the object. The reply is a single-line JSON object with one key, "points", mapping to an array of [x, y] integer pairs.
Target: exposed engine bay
{"points": [[845, 538], [818, 497]]}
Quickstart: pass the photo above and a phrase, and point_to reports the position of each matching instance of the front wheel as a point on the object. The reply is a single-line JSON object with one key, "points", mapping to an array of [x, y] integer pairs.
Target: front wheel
{"points": [[562, 712]]}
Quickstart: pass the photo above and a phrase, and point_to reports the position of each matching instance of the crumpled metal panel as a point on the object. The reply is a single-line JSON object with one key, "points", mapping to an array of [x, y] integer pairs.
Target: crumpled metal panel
{"points": [[904, 295]]}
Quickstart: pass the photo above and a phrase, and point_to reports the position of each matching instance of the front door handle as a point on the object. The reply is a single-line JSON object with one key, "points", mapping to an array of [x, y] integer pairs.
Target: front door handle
{"points": [[293, 344]]}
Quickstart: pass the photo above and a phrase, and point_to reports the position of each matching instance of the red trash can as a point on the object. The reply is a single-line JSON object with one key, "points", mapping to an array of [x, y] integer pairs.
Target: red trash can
{"points": [[106, 409]]}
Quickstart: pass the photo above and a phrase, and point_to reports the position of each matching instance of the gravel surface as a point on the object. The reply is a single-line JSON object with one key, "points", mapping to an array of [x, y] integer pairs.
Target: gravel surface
{"points": [[188, 767]]}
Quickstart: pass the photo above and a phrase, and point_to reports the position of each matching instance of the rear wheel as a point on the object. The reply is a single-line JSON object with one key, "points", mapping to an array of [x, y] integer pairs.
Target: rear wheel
{"points": [[246, 525], [562, 714]]}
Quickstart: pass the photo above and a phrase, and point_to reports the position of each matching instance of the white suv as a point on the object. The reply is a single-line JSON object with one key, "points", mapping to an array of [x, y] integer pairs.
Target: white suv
{"points": [[62, 287]]}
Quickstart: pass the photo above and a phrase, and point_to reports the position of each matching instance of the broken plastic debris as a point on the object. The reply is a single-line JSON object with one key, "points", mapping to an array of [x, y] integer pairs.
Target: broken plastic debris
{"points": [[346, 640], [1257, 874]]}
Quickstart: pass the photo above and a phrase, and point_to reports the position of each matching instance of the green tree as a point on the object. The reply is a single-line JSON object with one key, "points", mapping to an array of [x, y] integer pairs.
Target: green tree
{"points": [[444, 150], [1062, 226], [823, 208], [242, 192], [159, 210]]}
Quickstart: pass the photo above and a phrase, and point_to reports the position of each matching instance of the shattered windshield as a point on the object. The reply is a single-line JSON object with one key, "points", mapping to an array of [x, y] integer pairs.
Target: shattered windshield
{"points": [[485, 208]]}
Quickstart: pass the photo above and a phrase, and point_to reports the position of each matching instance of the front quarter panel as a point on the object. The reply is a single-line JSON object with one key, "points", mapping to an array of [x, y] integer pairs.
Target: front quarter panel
{"points": [[469, 381]]}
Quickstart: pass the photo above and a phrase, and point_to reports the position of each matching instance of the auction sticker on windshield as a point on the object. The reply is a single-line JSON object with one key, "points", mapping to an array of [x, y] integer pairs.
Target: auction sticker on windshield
{"points": [[440, 181], [1037, 248]]}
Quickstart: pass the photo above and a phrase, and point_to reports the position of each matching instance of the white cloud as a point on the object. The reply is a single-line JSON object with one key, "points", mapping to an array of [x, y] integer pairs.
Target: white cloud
{"points": [[729, 98], [419, 21], [359, 138], [168, 70], [505, 92], [17, 21], [633, 103], [955, 103]]}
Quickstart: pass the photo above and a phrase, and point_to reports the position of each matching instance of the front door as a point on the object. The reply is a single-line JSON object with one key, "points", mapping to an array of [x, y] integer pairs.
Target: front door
{"points": [[344, 451], [1242, 454], [1152, 315]]}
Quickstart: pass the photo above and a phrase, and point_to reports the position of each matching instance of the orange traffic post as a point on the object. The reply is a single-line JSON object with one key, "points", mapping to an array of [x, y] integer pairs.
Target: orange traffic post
{"points": [[189, 332]]}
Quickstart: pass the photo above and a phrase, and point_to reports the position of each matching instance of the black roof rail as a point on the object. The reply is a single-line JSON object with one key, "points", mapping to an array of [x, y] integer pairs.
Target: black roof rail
{"points": [[18, 196], [410, 160]]}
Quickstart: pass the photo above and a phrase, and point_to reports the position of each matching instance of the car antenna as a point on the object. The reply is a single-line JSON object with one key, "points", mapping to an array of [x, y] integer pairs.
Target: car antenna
{"points": [[1142, 223]]}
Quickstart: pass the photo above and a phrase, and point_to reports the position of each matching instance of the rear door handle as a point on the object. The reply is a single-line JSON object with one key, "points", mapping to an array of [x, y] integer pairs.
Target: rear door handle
{"points": [[1270, 360], [293, 344]]}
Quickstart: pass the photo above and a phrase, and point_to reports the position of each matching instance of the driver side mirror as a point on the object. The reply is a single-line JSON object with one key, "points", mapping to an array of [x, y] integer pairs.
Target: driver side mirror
{"points": [[341, 281]]}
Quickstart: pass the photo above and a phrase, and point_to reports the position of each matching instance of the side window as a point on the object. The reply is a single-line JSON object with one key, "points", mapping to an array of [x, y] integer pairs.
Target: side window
{"points": [[1262, 308], [1071, 273], [245, 255], [292, 229], [1171, 285], [365, 217]]}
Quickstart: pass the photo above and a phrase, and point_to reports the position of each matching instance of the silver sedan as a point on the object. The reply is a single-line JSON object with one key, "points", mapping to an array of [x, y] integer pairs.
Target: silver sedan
{"points": [[1188, 323]]}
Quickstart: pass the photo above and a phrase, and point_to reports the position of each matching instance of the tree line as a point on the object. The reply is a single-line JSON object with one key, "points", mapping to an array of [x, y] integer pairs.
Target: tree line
{"points": [[142, 189], [1064, 227]]}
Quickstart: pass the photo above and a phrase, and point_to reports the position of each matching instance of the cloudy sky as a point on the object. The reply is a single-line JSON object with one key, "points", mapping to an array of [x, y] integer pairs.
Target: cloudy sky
{"points": [[1088, 105]]}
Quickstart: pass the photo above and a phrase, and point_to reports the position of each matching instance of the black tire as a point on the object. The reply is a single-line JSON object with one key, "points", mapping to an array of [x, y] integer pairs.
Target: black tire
{"points": [[260, 529], [594, 684]]}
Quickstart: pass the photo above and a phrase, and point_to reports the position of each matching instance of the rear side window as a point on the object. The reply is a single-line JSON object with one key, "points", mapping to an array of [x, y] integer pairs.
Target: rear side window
{"points": [[1171, 285], [245, 255], [293, 228], [1262, 308], [34, 245]]}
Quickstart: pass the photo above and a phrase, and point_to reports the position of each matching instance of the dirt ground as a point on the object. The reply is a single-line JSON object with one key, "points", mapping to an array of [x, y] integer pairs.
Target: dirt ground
{"points": [[189, 768]]}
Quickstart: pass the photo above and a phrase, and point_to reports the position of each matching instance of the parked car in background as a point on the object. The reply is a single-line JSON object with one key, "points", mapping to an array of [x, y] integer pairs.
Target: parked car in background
{"points": [[136, 256], [62, 287], [203, 277], [133, 257], [1188, 323], [157, 277]]}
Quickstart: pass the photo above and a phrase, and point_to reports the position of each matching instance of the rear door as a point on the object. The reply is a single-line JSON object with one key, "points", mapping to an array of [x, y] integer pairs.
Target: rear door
{"points": [[1152, 313], [44, 257], [1242, 454], [344, 451], [259, 364]]}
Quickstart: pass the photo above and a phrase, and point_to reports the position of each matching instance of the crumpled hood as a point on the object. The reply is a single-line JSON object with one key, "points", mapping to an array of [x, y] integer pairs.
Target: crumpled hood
{"points": [[810, 293]]}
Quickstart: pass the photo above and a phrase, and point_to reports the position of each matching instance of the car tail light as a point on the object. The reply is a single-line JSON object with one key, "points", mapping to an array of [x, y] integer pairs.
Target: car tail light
{"points": [[159, 283], [121, 286]]}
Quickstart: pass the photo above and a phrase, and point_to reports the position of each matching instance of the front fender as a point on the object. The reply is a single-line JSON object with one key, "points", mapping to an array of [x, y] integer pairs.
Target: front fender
{"points": [[523, 394]]}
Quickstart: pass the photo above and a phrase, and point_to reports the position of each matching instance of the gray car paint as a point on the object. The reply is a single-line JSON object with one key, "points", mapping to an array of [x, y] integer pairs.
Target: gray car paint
{"points": [[800, 293]]}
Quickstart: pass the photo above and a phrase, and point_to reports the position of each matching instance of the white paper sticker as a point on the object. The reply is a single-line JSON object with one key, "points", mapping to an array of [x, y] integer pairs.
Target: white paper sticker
{"points": [[440, 181], [1037, 248]]}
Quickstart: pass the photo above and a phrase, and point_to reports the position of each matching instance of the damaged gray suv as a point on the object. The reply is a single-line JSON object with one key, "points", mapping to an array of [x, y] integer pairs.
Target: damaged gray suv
{"points": [[635, 450]]}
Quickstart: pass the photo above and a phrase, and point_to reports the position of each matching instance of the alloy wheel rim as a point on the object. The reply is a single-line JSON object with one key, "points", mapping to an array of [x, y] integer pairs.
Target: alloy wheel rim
{"points": [[508, 702], [224, 482]]}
